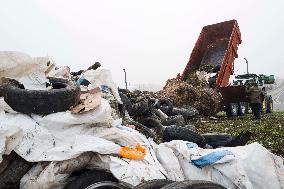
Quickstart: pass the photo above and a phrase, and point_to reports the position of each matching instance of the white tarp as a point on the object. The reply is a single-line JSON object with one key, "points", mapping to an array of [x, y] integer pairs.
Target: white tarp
{"points": [[27, 70], [250, 166]]}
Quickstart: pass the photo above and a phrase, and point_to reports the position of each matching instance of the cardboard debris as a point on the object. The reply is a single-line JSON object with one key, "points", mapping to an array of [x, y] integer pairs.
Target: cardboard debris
{"points": [[88, 101]]}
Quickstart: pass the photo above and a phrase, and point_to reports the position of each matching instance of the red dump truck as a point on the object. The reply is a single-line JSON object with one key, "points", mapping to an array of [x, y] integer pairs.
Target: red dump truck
{"points": [[215, 52]]}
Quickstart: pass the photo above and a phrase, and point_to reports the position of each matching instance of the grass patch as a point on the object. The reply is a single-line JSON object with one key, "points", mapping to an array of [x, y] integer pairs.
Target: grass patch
{"points": [[269, 132]]}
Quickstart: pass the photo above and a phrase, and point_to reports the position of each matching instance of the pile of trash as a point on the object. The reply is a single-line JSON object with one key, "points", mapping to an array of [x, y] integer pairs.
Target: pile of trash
{"points": [[186, 95], [63, 130]]}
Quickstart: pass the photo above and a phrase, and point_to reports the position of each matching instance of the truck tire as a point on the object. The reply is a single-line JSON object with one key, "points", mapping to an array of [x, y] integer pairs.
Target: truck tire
{"points": [[91, 177], [12, 169], [64, 95], [193, 184], [241, 109], [153, 184], [181, 133], [269, 105], [231, 110]]}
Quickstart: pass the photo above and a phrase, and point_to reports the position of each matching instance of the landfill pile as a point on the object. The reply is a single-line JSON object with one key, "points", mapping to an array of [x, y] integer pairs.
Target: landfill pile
{"points": [[66, 131], [185, 94]]}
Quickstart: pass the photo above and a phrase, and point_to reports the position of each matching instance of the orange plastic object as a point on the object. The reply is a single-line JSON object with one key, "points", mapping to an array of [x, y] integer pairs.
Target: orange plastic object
{"points": [[137, 153]]}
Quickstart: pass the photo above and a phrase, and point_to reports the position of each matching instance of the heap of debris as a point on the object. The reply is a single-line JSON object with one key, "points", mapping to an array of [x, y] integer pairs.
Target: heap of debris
{"points": [[184, 95]]}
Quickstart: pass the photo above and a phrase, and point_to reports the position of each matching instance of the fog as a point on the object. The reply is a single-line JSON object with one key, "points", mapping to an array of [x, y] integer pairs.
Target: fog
{"points": [[151, 39]]}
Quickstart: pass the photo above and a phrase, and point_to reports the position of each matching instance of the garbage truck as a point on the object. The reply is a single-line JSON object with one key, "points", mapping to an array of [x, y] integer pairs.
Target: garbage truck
{"points": [[214, 52]]}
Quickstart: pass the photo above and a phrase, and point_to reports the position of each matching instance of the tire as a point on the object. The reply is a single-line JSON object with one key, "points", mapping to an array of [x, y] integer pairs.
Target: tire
{"points": [[166, 106], [174, 120], [153, 184], [240, 140], [12, 169], [241, 109], [231, 110], [125, 100], [187, 113], [193, 184], [217, 140], [64, 95], [106, 185], [90, 177], [142, 129], [181, 133]]}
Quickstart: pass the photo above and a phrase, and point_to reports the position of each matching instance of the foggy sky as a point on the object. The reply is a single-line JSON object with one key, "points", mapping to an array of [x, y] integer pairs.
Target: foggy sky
{"points": [[151, 39]]}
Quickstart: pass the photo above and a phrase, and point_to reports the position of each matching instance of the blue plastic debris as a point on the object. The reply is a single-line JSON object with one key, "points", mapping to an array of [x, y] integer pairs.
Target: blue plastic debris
{"points": [[211, 158]]}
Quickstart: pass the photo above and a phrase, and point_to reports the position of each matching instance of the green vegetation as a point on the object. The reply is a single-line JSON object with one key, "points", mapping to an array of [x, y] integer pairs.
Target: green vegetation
{"points": [[269, 131]]}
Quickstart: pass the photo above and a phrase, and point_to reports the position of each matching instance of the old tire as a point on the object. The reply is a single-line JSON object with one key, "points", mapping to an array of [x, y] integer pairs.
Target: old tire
{"points": [[174, 120], [240, 140], [90, 177], [217, 140], [126, 101], [187, 113], [193, 184], [63, 95], [12, 169], [166, 106], [181, 133], [153, 184], [142, 129]]}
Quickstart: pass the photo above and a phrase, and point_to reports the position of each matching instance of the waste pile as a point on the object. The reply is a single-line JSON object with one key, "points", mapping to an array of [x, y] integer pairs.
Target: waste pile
{"points": [[188, 94], [63, 130]]}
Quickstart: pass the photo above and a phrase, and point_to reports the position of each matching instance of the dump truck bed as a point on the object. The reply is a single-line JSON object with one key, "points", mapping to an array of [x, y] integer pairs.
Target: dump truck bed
{"points": [[216, 47]]}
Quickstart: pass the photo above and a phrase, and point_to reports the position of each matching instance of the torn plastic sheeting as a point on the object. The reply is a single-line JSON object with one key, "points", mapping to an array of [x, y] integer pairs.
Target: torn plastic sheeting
{"points": [[64, 137], [102, 77], [27, 70], [170, 162], [243, 170], [211, 158], [125, 170]]}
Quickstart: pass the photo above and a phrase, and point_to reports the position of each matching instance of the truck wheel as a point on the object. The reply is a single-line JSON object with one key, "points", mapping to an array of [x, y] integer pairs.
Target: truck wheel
{"points": [[63, 95], [153, 184], [241, 109], [231, 110], [269, 105], [182, 133], [193, 184]]}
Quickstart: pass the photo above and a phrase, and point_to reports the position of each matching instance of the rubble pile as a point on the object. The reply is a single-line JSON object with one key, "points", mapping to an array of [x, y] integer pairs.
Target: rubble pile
{"points": [[183, 94]]}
